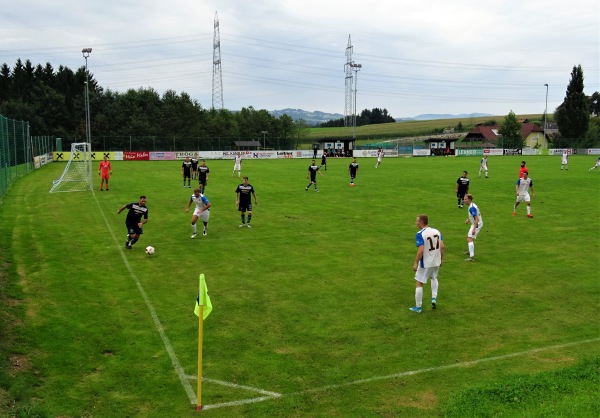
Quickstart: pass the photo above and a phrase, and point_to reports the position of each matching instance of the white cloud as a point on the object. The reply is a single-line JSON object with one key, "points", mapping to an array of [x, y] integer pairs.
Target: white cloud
{"points": [[418, 57]]}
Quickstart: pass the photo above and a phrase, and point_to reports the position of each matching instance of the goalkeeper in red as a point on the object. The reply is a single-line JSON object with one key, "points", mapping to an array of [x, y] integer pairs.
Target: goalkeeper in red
{"points": [[430, 253], [104, 170]]}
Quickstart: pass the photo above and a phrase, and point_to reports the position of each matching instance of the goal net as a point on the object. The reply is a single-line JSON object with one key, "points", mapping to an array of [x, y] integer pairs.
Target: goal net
{"points": [[77, 175]]}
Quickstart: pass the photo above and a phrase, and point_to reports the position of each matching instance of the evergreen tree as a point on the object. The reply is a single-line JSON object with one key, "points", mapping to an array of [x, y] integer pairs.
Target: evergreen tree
{"points": [[510, 129], [573, 115]]}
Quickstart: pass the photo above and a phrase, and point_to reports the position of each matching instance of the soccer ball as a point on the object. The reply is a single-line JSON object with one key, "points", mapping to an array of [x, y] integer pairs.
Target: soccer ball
{"points": [[149, 250]]}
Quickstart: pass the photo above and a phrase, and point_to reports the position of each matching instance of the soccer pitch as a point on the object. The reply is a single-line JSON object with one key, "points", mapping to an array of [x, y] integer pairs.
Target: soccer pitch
{"points": [[310, 306]]}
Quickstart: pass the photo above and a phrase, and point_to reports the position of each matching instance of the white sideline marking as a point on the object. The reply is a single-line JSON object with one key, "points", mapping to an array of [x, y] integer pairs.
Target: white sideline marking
{"points": [[159, 326], [235, 385], [395, 375]]}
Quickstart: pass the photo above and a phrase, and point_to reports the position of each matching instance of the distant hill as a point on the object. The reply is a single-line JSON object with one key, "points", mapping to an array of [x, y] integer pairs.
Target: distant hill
{"points": [[311, 118], [433, 116], [316, 117]]}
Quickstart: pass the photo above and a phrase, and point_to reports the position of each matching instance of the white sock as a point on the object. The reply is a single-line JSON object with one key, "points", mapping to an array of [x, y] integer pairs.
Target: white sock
{"points": [[472, 249], [194, 228], [419, 296], [434, 288], [529, 210]]}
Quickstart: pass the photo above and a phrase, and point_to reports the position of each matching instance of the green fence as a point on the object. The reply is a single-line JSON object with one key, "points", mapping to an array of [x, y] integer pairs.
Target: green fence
{"points": [[15, 152]]}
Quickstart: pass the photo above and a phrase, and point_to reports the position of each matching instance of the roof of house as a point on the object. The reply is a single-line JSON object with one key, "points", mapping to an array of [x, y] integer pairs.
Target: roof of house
{"points": [[528, 128], [481, 132]]}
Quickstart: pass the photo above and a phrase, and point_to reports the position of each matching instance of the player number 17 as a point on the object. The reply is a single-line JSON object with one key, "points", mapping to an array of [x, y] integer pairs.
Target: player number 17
{"points": [[433, 246]]}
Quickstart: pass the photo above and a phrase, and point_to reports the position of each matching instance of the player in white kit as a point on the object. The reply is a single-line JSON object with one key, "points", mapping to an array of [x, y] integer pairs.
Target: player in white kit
{"points": [[430, 254]]}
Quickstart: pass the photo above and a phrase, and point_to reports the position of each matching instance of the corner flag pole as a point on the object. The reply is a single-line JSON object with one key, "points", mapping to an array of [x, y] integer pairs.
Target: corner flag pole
{"points": [[202, 310], [200, 336]]}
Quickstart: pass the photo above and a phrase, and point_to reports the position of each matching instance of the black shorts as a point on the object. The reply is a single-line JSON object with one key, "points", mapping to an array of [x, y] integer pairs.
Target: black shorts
{"points": [[243, 207], [202, 182], [134, 229]]}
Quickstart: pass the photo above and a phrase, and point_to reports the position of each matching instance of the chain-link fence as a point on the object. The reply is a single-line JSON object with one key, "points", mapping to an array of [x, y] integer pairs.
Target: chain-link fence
{"points": [[15, 152], [162, 143]]}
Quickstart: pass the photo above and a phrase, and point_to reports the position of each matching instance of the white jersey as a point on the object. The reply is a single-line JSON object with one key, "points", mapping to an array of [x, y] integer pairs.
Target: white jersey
{"points": [[237, 162], [565, 157], [524, 185], [379, 155], [483, 164], [474, 211], [431, 240], [200, 201]]}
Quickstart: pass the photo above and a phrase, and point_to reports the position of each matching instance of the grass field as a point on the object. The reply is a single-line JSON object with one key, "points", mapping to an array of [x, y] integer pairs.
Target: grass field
{"points": [[310, 306]]}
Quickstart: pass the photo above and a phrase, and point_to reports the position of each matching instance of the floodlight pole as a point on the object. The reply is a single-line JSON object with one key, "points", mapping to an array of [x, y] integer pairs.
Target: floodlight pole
{"points": [[88, 128], [264, 138], [356, 68], [545, 110]]}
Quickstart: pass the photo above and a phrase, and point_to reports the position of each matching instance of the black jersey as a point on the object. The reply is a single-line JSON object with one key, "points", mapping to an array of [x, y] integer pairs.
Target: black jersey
{"points": [[313, 171], [463, 185], [136, 213], [353, 168], [187, 168], [245, 192], [202, 172]]}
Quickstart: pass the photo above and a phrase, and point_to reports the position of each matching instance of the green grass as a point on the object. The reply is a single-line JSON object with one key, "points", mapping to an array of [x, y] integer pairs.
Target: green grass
{"points": [[311, 303]]}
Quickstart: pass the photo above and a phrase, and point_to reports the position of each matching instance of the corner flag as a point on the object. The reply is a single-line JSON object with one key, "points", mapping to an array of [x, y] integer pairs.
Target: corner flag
{"points": [[202, 310], [203, 299]]}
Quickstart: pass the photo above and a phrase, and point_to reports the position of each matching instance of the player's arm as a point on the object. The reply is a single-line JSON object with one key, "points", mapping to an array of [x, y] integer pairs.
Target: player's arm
{"points": [[531, 188], [144, 219], [189, 204], [441, 251], [255, 200], [121, 209], [110, 168], [206, 204], [418, 257], [237, 198]]}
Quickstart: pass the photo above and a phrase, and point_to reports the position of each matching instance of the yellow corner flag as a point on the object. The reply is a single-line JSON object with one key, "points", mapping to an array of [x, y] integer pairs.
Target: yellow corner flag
{"points": [[202, 310], [203, 299]]}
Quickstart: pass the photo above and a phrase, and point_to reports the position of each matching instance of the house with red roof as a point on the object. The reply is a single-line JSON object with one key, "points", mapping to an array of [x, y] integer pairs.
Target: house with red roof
{"points": [[489, 137]]}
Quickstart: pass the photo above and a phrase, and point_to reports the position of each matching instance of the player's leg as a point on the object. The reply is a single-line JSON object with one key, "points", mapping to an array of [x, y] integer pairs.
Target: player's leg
{"points": [[434, 287], [420, 277], [529, 215], [243, 216], [194, 220]]}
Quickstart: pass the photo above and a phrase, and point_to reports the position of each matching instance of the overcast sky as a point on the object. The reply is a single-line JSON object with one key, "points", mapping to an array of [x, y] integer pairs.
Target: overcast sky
{"points": [[436, 56]]}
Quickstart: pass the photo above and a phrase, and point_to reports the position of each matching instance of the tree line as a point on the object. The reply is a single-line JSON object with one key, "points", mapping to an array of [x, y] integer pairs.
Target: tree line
{"points": [[53, 102], [366, 117]]}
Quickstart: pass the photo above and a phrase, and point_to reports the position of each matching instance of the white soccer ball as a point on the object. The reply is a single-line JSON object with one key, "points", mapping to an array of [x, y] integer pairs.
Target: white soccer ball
{"points": [[149, 250]]}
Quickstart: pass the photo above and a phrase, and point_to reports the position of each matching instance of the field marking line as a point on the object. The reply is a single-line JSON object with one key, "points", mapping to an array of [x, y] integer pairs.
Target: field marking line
{"points": [[161, 331], [401, 374], [235, 385]]}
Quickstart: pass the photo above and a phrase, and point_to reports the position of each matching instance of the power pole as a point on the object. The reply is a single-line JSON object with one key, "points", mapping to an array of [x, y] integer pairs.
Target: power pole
{"points": [[217, 81], [348, 111]]}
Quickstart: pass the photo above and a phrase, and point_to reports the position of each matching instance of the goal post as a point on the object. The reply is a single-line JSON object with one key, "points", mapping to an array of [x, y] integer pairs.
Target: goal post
{"points": [[77, 176]]}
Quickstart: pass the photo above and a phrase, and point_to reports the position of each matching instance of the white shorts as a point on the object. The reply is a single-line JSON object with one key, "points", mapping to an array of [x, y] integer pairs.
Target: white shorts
{"points": [[484, 168], [424, 273], [237, 167], [470, 234], [523, 198], [202, 215], [379, 159]]}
